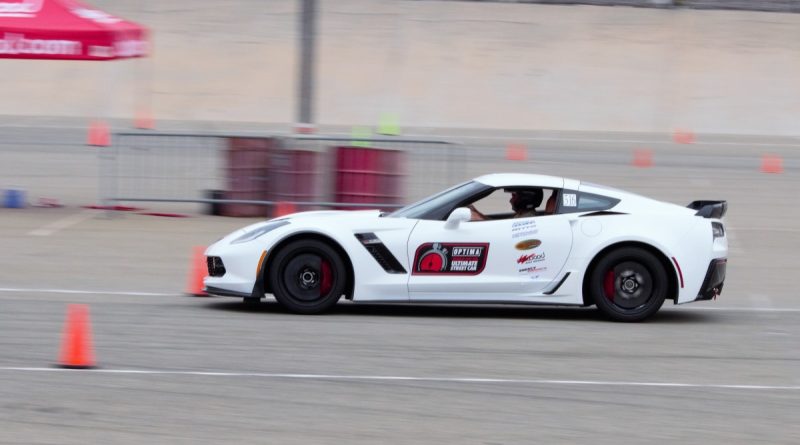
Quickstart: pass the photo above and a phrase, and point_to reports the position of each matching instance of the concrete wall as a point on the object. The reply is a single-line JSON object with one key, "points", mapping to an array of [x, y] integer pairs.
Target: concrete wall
{"points": [[441, 64], [746, 5]]}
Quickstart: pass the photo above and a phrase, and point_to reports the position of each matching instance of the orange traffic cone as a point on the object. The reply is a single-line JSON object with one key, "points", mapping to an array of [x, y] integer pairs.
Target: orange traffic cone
{"points": [[198, 271], [516, 152], [683, 137], [642, 157], [305, 128], [771, 164], [99, 134], [284, 208], [144, 120], [76, 346]]}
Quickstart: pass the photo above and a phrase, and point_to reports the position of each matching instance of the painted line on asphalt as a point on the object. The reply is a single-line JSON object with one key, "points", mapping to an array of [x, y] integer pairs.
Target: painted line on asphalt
{"points": [[406, 378], [88, 292], [63, 223], [740, 309]]}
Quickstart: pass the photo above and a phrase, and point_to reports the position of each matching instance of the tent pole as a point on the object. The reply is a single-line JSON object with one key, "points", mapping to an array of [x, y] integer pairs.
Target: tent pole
{"points": [[307, 39]]}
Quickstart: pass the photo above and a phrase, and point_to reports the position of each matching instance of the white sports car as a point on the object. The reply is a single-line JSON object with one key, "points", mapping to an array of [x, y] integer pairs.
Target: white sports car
{"points": [[566, 242]]}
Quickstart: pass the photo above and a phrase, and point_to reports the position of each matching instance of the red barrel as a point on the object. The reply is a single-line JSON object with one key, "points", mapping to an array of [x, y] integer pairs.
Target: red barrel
{"points": [[248, 175], [369, 176], [294, 176]]}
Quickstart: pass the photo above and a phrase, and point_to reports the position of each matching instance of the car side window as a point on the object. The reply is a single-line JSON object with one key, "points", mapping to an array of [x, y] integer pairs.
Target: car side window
{"points": [[573, 201], [590, 202], [502, 202]]}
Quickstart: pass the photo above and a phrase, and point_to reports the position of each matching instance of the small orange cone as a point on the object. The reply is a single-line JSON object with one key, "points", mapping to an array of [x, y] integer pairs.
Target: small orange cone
{"points": [[76, 346], [99, 134], [771, 164], [642, 157], [305, 128], [516, 152], [683, 137], [198, 271], [144, 120], [284, 208]]}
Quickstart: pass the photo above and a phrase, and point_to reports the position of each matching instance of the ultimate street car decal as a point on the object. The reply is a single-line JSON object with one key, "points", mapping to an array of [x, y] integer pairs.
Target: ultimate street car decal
{"points": [[450, 258]]}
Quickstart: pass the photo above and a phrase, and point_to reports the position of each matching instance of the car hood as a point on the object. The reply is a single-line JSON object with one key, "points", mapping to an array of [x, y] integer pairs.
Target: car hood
{"points": [[313, 219], [325, 214], [317, 215]]}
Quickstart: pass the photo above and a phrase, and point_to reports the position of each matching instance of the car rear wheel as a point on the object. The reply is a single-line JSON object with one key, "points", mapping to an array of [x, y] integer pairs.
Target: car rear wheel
{"points": [[307, 276], [628, 284]]}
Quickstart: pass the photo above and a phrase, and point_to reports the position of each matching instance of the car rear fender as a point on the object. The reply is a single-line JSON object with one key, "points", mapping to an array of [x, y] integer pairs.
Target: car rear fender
{"points": [[672, 272]]}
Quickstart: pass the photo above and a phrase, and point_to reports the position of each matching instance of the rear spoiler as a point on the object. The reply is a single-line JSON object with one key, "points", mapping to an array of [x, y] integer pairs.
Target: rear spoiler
{"points": [[709, 209]]}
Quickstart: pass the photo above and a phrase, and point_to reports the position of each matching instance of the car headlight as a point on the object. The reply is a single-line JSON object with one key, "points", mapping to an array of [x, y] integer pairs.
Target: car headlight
{"points": [[255, 233]]}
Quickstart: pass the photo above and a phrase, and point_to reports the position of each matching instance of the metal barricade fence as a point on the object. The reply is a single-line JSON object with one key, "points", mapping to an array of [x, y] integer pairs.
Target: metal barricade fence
{"points": [[160, 167], [390, 170], [245, 174]]}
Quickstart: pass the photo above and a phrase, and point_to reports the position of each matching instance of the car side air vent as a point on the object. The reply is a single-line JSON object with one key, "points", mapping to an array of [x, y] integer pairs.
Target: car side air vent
{"points": [[380, 252], [215, 266]]}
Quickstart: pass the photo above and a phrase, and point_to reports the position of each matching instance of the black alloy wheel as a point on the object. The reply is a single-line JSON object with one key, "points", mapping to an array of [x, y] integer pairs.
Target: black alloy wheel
{"points": [[628, 284], [307, 276]]}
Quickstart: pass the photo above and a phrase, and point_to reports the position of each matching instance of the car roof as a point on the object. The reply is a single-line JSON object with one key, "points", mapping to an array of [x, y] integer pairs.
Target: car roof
{"points": [[520, 179]]}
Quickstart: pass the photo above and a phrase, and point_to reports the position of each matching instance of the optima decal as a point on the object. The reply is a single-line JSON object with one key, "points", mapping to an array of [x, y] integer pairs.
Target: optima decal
{"points": [[450, 258]]}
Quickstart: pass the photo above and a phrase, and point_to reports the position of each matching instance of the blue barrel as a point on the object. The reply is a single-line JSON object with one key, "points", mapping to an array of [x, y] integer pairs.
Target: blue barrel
{"points": [[14, 199]]}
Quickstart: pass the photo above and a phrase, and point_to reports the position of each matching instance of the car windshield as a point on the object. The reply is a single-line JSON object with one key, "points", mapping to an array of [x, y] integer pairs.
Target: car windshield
{"points": [[431, 207]]}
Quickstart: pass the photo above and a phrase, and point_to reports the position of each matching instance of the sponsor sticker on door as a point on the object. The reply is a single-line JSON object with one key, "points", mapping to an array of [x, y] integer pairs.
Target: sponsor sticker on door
{"points": [[450, 258], [528, 244], [521, 229], [526, 263]]}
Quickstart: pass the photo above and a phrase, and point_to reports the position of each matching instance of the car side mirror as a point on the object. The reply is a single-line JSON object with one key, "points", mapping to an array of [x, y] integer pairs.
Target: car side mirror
{"points": [[459, 215]]}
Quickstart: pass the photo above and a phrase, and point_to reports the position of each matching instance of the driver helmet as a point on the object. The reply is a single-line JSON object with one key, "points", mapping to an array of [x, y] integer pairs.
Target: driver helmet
{"points": [[526, 200]]}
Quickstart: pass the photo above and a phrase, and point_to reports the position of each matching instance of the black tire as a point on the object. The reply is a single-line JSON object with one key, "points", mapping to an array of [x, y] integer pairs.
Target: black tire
{"points": [[307, 276], [628, 284]]}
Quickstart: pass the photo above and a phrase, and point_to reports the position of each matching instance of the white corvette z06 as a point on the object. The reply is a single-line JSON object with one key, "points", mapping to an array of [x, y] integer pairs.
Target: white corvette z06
{"points": [[568, 243]]}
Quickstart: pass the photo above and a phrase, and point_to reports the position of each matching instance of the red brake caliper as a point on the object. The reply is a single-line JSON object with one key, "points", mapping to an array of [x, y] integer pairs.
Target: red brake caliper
{"points": [[608, 285], [326, 278]]}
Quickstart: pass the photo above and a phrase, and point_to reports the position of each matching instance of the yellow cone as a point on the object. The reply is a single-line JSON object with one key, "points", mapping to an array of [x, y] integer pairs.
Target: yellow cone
{"points": [[359, 134], [388, 125]]}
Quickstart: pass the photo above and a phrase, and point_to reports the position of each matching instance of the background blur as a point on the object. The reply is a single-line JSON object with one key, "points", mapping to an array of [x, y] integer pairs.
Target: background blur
{"points": [[676, 100], [442, 64]]}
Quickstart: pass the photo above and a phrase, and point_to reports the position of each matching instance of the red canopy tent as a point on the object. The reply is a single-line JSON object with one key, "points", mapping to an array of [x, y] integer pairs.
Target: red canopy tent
{"points": [[69, 30], [66, 30]]}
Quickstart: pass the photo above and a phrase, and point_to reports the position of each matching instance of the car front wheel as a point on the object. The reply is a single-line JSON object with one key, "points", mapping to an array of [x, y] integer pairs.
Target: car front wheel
{"points": [[307, 276], [628, 284]]}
